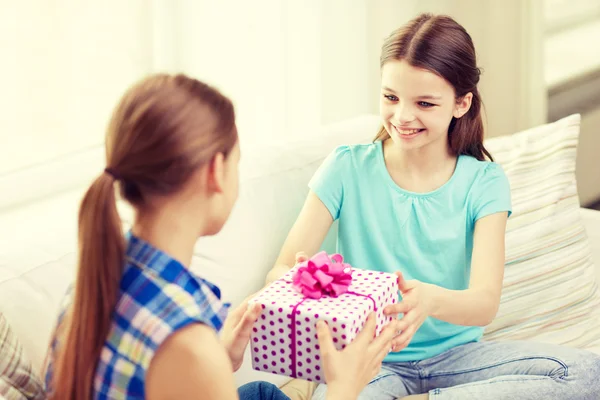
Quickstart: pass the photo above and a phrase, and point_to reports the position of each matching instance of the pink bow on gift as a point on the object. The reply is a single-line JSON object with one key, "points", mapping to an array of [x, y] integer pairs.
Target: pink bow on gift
{"points": [[322, 275]]}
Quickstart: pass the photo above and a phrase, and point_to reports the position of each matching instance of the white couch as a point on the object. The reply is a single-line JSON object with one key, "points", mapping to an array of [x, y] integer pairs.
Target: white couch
{"points": [[38, 240]]}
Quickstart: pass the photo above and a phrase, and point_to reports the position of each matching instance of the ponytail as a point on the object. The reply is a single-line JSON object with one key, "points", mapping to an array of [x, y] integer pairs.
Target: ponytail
{"points": [[101, 254], [465, 134]]}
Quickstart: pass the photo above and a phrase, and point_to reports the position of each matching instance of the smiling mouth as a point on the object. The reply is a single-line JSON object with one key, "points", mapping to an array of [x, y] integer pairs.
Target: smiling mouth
{"points": [[408, 132]]}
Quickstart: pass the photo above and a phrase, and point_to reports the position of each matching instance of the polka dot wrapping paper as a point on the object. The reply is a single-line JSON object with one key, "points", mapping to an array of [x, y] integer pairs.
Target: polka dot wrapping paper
{"points": [[284, 338]]}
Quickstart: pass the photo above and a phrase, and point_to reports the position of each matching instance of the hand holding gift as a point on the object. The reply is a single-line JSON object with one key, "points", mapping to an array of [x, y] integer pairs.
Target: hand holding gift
{"points": [[348, 371], [416, 307], [236, 331], [284, 340]]}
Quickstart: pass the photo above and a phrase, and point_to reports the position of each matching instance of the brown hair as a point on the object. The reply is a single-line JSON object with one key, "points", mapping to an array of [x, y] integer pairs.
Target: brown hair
{"points": [[164, 128], [441, 45]]}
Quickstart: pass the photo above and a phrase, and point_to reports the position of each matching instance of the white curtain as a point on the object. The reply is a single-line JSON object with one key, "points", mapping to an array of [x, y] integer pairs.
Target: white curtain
{"points": [[64, 64], [289, 66]]}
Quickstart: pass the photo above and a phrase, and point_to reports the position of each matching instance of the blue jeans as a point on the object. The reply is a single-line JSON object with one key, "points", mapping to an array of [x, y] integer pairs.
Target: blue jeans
{"points": [[261, 391], [491, 370]]}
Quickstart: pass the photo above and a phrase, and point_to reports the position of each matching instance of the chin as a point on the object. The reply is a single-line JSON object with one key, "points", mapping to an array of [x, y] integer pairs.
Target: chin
{"points": [[213, 228]]}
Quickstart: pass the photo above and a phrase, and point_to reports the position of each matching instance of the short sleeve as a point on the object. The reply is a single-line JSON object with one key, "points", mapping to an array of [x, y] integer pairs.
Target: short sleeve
{"points": [[492, 193], [328, 183]]}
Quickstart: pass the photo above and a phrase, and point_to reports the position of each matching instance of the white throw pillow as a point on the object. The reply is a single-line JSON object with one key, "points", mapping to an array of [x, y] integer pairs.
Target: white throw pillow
{"points": [[30, 302], [550, 291]]}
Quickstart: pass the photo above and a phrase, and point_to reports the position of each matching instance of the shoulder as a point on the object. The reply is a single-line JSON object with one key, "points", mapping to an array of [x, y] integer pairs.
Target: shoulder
{"points": [[173, 305], [478, 172], [185, 306], [487, 187], [355, 155], [189, 361]]}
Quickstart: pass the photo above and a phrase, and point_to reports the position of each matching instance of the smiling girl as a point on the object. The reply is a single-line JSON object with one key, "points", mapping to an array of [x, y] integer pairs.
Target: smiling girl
{"points": [[426, 200]]}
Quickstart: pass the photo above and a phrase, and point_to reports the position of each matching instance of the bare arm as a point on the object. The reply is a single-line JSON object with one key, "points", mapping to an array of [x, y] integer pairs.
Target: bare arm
{"points": [[191, 364], [307, 235], [475, 306], [478, 305]]}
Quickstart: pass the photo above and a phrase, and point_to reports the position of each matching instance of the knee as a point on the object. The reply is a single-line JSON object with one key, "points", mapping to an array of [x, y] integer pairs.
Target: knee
{"points": [[259, 390], [593, 374], [557, 369], [587, 375]]}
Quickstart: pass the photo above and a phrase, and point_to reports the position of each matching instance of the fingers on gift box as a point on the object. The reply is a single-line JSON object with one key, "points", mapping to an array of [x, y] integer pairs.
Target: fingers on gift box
{"points": [[284, 338]]}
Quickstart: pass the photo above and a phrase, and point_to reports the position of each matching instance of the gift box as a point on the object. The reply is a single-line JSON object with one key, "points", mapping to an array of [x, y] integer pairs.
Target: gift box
{"points": [[284, 338]]}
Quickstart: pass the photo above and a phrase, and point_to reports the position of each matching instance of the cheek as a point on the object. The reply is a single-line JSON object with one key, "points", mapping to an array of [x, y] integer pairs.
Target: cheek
{"points": [[385, 109], [437, 120]]}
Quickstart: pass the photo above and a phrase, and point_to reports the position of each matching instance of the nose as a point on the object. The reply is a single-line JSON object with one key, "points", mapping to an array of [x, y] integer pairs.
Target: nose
{"points": [[404, 114]]}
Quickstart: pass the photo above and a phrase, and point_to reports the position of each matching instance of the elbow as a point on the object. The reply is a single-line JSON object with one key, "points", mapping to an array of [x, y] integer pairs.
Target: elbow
{"points": [[485, 319], [488, 310]]}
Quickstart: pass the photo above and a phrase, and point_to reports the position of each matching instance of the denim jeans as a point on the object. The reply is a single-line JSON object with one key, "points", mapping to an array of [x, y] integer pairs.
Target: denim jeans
{"points": [[491, 370], [261, 391]]}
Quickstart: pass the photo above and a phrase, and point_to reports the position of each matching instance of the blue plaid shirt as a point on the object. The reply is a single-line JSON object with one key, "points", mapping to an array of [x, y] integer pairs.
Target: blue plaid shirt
{"points": [[158, 297]]}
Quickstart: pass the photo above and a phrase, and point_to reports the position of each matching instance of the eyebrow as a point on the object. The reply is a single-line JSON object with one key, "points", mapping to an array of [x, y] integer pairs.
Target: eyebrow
{"points": [[423, 97]]}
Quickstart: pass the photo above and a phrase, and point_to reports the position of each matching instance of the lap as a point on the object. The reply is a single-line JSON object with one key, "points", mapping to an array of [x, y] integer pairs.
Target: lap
{"points": [[477, 362], [261, 391], [391, 383], [480, 361]]}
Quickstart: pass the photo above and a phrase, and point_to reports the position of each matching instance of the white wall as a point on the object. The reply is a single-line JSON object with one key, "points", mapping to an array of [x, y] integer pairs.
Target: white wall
{"points": [[507, 39], [572, 75], [588, 168], [63, 66], [289, 66]]}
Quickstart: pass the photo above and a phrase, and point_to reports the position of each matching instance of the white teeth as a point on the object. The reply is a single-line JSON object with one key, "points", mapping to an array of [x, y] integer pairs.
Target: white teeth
{"points": [[407, 132]]}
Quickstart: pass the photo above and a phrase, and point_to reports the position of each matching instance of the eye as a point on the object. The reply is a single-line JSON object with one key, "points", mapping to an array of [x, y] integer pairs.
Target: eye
{"points": [[425, 104], [390, 97]]}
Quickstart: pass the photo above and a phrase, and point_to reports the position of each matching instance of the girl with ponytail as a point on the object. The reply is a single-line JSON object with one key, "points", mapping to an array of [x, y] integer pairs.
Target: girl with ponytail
{"points": [[139, 324], [426, 200]]}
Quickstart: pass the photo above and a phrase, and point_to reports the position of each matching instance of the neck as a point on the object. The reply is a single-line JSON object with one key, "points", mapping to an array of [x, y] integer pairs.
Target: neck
{"points": [[426, 161], [169, 231]]}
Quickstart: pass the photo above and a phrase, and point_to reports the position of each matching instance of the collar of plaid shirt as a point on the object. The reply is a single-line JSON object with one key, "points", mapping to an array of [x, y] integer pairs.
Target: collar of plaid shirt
{"points": [[147, 257]]}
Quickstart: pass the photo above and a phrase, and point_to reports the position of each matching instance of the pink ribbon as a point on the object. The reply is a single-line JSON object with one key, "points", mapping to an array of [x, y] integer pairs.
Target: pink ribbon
{"points": [[323, 275]]}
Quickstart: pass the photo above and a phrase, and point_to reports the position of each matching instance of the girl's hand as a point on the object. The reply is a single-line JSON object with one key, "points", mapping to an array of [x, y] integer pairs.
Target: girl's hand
{"points": [[301, 257], [416, 305], [279, 270], [348, 371], [236, 331]]}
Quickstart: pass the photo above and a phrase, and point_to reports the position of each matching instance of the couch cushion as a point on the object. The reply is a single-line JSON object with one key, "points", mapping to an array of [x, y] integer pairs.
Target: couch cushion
{"points": [[17, 380], [30, 302], [36, 265], [550, 290]]}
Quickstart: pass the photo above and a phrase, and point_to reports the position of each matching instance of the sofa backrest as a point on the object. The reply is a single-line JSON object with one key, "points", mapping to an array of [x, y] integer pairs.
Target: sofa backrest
{"points": [[37, 242]]}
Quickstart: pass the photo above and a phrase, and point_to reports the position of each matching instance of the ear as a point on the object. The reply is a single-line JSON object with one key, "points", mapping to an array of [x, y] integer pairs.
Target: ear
{"points": [[216, 173], [463, 105]]}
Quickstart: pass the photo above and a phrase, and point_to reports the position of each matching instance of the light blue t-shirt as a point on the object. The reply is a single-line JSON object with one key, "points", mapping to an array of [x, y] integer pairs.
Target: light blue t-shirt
{"points": [[427, 236]]}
